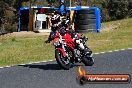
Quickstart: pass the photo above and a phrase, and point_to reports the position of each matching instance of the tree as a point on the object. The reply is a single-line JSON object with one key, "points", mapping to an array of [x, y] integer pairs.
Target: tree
{"points": [[118, 9], [130, 8], [7, 15]]}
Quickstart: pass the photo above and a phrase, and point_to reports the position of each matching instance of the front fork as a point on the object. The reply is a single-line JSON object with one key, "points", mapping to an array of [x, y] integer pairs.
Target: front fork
{"points": [[64, 57], [62, 51]]}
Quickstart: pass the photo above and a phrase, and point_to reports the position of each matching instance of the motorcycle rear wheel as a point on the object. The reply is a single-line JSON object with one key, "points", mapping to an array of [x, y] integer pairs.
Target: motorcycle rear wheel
{"points": [[63, 62], [88, 61]]}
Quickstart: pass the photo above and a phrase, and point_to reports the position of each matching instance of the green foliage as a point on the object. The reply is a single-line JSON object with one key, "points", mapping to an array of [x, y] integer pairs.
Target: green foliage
{"points": [[8, 16], [118, 9], [130, 8]]}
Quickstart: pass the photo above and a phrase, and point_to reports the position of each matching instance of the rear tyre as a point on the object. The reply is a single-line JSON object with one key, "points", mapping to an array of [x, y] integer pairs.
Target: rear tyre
{"points": [[63, 62], [88, 61]]}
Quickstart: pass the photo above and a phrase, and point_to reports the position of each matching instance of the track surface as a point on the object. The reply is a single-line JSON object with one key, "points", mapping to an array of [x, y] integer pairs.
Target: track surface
{"points": [[49, 75]]}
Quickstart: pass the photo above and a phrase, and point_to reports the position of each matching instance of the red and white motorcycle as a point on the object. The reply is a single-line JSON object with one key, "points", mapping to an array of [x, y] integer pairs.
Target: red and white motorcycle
{"points": [[70, 50]]}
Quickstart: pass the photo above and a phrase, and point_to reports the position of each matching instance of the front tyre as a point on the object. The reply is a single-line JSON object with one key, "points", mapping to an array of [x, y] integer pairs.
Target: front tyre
{"points": [[63, 62]]}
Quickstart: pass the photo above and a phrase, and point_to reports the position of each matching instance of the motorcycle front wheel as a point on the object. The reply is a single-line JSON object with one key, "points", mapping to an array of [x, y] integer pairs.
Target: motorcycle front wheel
{"points": [[63, 62]]}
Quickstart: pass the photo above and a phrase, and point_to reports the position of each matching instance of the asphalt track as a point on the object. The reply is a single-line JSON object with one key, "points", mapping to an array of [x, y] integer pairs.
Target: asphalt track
{"points": [[49, 75]]}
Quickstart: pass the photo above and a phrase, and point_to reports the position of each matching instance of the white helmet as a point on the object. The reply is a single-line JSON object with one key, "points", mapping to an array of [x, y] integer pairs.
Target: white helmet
{"points": [[55, 19]]}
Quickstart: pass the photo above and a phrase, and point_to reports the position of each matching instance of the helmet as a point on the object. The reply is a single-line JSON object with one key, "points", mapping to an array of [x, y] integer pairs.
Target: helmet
{"points": [[55, 18]]}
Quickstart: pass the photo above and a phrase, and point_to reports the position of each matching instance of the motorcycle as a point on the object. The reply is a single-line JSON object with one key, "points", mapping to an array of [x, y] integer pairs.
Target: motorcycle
{"points": [[69, 51]]}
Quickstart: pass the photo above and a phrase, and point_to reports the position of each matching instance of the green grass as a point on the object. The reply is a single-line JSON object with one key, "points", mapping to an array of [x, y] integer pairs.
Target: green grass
{"points": [[120, 36], [23, 50], [19, 50]]}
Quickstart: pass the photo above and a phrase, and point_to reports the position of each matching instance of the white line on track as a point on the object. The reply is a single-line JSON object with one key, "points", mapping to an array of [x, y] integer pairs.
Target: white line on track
{"points": [[110, 51], [96, 53], [54, 59], [129, 48]]}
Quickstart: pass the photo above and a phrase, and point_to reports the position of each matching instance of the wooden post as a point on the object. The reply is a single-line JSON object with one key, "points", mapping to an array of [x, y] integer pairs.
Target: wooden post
{"points": [[30, 25], [71, 18]]}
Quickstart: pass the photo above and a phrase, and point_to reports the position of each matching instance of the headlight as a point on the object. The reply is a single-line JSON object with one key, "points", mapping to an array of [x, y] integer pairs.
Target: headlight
{"points": [[57, 43]]}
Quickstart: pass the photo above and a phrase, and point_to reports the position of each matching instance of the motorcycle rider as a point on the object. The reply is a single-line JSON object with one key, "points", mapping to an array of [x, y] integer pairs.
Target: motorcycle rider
{"points": [[55, 21], [58, 24], [65, 28]]}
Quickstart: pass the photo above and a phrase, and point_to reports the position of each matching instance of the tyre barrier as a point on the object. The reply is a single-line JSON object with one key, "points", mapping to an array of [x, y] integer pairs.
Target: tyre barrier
{"points": [[83, 27], [90, 11], [85, 31], [85, 16], [87, 20]]}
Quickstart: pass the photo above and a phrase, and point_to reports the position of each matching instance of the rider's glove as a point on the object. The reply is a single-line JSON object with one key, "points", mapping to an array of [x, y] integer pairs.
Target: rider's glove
{"points": [[47, 41]]}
